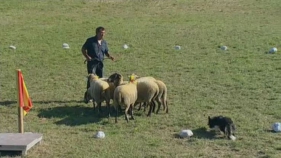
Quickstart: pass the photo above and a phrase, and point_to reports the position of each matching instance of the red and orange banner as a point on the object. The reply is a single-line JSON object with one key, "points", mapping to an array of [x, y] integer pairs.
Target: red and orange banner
{"points": [[24, 99]]}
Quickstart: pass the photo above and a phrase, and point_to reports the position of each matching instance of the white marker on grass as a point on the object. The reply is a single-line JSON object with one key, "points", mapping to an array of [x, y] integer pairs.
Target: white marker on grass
{"points": [[177, 47], [12, 47], [100, 134], [232, 137], [276, 127], [65, 46], [125, 46], [186, 133], [223, 47], [273, 50]]}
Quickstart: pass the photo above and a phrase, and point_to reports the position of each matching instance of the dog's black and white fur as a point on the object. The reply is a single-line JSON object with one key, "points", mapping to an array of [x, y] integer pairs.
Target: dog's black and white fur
{"points": [[225, 124]]}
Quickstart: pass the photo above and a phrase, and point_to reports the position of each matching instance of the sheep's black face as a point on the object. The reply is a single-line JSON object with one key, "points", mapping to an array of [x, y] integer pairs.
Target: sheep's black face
{"points": [[112, 77], [115, 78]]}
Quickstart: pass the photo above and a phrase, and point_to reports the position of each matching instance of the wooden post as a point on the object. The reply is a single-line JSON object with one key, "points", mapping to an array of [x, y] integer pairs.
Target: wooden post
{"points": [[20, 114], [20, 110]]}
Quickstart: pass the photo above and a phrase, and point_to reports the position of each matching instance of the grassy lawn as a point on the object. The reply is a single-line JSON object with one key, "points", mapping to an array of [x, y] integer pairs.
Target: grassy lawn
{"points": [[202, 80]]}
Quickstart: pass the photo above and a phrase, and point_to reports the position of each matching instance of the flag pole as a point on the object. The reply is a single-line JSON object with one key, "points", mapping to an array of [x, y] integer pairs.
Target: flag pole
{"points": [[20, 110]]}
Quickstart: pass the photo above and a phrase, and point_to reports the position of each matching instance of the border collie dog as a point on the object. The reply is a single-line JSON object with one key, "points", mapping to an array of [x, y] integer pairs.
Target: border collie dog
{"points": [[225, 124]]}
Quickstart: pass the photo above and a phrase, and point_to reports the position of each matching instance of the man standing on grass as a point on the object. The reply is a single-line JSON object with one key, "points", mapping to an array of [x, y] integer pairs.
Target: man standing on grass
{"points": [[94, 50]]}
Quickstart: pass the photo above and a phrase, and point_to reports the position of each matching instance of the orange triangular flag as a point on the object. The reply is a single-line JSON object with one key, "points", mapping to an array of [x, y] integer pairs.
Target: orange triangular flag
{"points": [[24, 99]]}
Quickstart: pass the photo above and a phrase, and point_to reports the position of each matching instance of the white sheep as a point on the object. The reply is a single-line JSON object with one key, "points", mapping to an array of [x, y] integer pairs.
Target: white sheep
{"points": [[102, 90], [98, 91], [148, 90], [161, 98], [125, 95], [140, 79]]}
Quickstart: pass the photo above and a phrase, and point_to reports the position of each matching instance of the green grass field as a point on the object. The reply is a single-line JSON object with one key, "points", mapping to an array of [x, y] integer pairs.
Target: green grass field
{"points": [[242, 82]]}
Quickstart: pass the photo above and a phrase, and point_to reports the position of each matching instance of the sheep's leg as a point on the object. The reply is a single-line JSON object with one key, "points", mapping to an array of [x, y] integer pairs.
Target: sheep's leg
{"points": [[159, 105], [139, 106], [152, 105], [99, 108], [131, 112], [116, 113], [150, 109], [94, 105], [144, 106], [166, 106], [108, 107], [126, 113]]}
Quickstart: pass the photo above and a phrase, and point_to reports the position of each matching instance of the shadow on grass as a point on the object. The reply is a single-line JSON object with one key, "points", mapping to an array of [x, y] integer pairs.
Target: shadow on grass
{"points": [[270, 131], [76, 115], [7, 103], [200, 133], [10, 102], [14, 154]]}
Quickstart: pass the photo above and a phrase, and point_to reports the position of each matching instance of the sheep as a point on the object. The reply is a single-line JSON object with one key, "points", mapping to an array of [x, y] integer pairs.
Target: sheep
{"points": [[148, 90], [161, 98], [126, 95], [98, 91], [140, 80], [116, 79], [101, 89], [88, 85]]}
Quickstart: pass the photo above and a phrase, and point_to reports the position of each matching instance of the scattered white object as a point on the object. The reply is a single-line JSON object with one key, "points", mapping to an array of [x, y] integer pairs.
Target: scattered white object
{"points": [[276, 127], [223, 47], [232, 137], [125, 46], [100, 134], [65, 46], [12, 47], [177, 47], [273, 50], [186, 133]]}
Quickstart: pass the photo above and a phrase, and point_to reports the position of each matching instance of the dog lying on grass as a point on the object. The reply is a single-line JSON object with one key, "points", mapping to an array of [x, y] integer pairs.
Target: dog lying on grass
{"points": [[225, 124]]}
